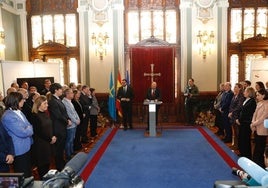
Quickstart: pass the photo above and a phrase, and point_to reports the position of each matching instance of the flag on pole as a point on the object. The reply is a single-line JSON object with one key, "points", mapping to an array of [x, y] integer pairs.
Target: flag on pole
{"points": [[111, 102], [127, 78], [118, 103]]}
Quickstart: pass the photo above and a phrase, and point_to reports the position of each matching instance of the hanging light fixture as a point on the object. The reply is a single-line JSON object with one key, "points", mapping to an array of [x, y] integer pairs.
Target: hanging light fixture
{"points": [[100, 43], [2, 38], [205, 41]]}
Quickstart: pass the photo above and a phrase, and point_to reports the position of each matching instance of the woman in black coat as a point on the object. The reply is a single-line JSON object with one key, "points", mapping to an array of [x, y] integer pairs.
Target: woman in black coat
{"points": [[244, 121], [43, 135]]}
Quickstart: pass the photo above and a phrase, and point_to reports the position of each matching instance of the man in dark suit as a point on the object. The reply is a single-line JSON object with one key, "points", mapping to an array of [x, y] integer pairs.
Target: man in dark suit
{"points": [[60, 121], [153, 93], [47, 84], [86, 101], [224, 109], [125, 94]]}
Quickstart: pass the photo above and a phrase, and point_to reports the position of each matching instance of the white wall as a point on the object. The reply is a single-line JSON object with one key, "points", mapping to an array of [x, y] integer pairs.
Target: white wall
{"points": [[11, 70], [204, 71], [99, 70], [259, 71]]}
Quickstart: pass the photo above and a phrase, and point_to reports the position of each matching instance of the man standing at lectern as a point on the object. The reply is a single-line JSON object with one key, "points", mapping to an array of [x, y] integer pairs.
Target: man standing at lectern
{"points": [[125, 94], [153, 93]]}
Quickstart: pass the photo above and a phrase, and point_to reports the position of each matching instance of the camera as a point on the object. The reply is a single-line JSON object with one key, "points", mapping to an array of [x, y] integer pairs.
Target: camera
{"points": [[65, 178]]}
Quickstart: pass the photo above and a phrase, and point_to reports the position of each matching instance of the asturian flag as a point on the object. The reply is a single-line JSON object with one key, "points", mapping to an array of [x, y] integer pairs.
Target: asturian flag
{"points": [[111, 102]]}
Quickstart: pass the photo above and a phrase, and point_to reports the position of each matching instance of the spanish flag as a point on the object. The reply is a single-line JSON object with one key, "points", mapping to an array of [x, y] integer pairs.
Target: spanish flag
{"points": [[118, 103]]}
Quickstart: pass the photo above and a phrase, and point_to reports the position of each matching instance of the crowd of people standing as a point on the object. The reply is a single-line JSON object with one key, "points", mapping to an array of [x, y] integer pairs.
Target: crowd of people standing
{"points": [[36, 128], [240, 115]]}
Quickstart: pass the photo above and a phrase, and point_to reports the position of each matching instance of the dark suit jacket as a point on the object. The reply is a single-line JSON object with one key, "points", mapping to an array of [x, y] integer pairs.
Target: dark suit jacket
{"points": [[235, 106], [78, 108], [247, 112], [226, 101], [6, 148], [128, 94], [86, 103], [58, 116], [156, 96]]}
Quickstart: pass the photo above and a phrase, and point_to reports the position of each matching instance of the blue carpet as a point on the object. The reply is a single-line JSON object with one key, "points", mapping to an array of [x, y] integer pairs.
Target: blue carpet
{"points": [[179, 158]]}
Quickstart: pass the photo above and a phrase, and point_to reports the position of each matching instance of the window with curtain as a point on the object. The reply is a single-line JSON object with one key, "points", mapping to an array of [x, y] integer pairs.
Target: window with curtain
{"points": [[60, 28]]}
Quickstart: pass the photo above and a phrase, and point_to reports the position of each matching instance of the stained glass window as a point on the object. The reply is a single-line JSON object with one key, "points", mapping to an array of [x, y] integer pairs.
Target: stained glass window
{"points": [[47, 28], [158, 24], [133, 27], [171, 26], [54, 28], [73, 70], [70, 30], [142, 24], [249, 17], [146, 25], [251, 27], [262, 14], [246, 22], [59, 28], [36, 30], [236, 25]]}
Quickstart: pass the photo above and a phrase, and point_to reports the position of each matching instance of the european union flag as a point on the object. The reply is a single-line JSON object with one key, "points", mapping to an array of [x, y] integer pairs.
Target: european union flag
{"points": [[111, 102], [127, 78]]}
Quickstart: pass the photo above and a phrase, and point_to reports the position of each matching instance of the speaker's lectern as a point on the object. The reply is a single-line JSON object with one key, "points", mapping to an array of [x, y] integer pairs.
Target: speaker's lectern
{"points": [[152, 115]]}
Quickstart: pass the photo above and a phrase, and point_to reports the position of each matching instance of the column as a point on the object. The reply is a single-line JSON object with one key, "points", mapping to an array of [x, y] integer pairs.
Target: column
{"points": [[119, 52], [21, 7], [185, 7], [2, 47], [82, 12], [223, 5]]}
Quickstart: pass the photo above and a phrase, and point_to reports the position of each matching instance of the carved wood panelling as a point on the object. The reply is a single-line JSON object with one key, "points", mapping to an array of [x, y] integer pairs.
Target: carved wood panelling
{"points": [[247, 3], [51, 6], [150, 4], [255, 43]]}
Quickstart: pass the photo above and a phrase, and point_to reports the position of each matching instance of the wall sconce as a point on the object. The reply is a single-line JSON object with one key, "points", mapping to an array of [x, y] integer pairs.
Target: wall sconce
{"points": [[205, 42], [2, 38], [100, 43]]}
